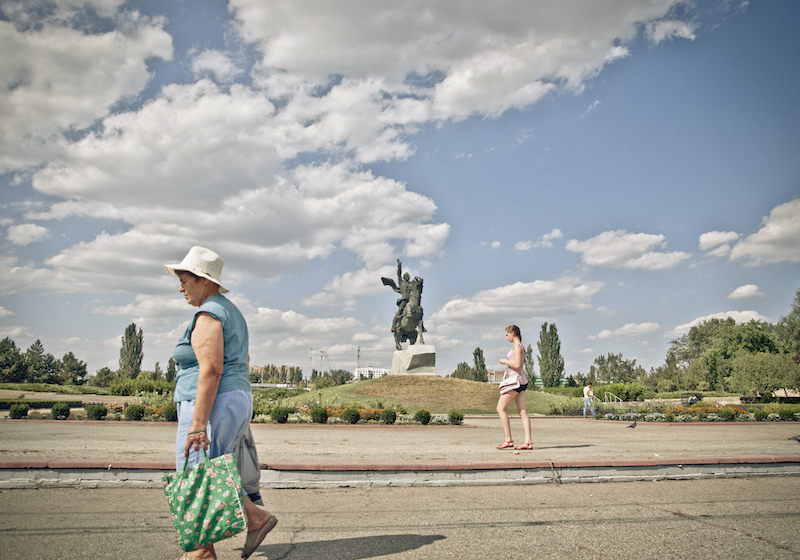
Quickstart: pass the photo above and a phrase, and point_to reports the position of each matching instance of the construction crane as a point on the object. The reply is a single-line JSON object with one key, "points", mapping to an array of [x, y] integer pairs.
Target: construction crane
{"points": [[323, 354]]}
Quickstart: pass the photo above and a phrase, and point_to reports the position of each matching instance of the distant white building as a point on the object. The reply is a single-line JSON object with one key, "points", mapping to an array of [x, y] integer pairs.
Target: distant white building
{"points": [[369, 373]]}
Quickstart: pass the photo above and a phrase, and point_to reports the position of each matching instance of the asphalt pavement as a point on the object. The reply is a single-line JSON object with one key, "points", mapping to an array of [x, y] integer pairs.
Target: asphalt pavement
{"points": [[700, 519]]}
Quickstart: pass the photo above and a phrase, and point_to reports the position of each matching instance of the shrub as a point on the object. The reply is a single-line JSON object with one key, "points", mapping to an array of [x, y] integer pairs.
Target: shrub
{"points": [[760, 414], [370, 415], [171, 412], [130, 387], [319, 415], [456, 417], [279, 414], [625, 391], [351, 415], [422, 416], [786, 412], [701, 413], [388, 416], [60, 410], [19, 410], [134, 412], [96, 411], [726, 413], [773, 417]]}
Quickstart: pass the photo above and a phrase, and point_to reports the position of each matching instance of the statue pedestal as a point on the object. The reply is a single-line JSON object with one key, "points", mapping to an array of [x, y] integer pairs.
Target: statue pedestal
{"points": [[418, 359]]}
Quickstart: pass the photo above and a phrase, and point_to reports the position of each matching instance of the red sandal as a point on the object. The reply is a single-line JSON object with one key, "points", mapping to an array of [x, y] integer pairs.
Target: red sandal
{"points": [[506, 444], [528, 445]]}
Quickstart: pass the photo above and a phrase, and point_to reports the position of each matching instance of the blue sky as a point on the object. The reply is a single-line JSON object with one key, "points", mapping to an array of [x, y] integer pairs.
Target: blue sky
{"points": [[624, 169]]}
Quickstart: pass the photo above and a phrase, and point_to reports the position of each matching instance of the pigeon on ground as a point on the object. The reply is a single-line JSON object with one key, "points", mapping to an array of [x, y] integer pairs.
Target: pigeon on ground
{"points": [[632, 425], [796, 438]]}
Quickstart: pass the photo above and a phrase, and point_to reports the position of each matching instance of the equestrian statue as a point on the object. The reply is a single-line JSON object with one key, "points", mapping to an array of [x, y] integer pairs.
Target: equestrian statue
{"points": [[407, 323]]}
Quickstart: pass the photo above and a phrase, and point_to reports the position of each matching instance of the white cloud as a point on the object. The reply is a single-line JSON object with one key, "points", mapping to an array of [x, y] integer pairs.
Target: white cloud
{"points": [[261, 233], [6, 313], [738, 316], [25, 234], [747, 292], [620, 249], [591, 108], [14, 277], [344, 288], [546, 241], [463, 61], [15, 333], [630, 330], [659, 31], [533, 300], [715, 238], [55, 76], [777, 241], [217, 64], [365, 337]]}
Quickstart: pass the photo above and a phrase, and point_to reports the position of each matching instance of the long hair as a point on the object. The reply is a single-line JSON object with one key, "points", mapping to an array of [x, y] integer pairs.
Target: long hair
{"points": [[514, 329]]}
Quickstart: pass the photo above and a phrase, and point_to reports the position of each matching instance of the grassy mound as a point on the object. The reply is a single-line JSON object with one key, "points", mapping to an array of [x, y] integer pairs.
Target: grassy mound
{"points": [[436, 394]]}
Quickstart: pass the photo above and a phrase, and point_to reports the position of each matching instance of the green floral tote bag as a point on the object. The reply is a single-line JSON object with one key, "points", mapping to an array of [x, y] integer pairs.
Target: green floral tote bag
{"points": [[206, 502]]}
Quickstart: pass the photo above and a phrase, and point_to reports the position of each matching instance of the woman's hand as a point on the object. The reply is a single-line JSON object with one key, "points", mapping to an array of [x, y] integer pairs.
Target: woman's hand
{"points": [[196, 440]]}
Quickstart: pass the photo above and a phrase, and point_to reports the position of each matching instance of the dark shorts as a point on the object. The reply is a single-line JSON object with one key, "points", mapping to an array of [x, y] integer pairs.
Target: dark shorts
{"points": [[521, 388]]}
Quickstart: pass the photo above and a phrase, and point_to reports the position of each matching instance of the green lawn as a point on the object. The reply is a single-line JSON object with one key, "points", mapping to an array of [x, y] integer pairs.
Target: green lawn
{"points": [[437, 395]]}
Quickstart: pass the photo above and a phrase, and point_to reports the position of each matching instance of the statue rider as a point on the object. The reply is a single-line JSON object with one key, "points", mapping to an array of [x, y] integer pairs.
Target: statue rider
{"points": [[403, 288]]}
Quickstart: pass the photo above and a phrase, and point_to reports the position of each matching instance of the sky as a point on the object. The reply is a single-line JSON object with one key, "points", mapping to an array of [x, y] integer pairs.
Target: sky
{"points": [[623, 169]]}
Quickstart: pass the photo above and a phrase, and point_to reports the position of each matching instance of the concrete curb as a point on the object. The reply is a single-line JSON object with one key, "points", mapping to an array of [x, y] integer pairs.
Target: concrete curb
{"points": [[141, 474]]}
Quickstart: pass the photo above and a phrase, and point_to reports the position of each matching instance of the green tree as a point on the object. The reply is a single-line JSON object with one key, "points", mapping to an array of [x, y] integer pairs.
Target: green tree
{"points": [[763, 372], [12, 362], [104, 378], [157, 373], [172, 369], [131, 353], [340, 376], [530, 365], [666, 377], [463, 371], [551, 362], [480, 365], [613, 368], [73, 370], [41, 367], [787, 330]]}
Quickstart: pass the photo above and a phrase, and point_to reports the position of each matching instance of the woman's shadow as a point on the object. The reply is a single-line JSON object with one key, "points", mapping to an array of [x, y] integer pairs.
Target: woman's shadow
{"points": [[346, 549]]}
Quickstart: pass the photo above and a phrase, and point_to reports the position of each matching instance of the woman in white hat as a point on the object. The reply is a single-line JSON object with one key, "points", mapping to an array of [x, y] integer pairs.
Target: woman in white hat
{"points": [[212, 384]]}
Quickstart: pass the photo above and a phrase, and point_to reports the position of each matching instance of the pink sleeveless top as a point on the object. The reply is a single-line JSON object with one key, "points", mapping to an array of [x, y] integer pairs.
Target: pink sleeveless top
{"points": [[518, 372]]}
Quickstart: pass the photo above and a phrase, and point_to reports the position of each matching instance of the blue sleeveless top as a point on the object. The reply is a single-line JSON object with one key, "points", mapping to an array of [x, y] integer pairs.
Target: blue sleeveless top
{"points": [[235, 373]]}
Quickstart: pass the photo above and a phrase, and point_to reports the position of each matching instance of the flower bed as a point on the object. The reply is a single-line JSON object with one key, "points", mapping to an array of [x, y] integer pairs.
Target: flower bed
{"points": [[709, 413]]}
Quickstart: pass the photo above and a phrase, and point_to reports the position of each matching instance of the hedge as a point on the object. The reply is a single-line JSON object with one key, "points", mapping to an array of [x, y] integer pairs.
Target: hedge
{"points": [[5, 404]]}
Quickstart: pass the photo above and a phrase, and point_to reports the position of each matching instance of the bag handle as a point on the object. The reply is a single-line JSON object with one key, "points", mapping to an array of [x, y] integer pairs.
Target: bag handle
{"points": [[186, 464]]}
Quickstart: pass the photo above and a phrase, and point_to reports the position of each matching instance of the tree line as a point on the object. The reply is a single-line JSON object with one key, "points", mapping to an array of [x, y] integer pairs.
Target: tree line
{"points": [[35, 365], [276, 374], [717, 355]]}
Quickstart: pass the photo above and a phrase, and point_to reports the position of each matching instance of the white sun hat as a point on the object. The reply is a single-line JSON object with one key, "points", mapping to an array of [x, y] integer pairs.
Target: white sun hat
{"points": [[201, 262]]}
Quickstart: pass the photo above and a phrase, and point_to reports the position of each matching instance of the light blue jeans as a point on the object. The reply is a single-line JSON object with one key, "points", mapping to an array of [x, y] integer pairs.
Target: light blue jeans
{"points": [[587, 402], [228, 422]]}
